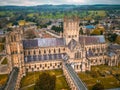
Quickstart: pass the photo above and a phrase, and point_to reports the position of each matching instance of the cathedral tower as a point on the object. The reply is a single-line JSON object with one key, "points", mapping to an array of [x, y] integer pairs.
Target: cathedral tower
{"points": [[71, 29], [14, 49]]}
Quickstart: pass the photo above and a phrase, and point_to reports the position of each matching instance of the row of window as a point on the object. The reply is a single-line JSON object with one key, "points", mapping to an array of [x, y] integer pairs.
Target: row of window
{"points": [[78, 55], [98, 49], [72, 36], [45, 51], [46, 65]]}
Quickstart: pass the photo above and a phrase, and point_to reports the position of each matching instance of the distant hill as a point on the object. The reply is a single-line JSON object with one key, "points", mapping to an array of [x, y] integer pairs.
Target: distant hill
{"points": [[59, 7]]}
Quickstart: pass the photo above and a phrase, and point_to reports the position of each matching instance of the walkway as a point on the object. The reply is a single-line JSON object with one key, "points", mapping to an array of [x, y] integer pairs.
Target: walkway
{"points": [[11, 82], [2, 59], [78, 82], [27, 86]]}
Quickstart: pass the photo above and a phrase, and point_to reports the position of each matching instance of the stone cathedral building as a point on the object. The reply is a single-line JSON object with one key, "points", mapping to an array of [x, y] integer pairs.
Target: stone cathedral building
{"points": [[81, 52]]}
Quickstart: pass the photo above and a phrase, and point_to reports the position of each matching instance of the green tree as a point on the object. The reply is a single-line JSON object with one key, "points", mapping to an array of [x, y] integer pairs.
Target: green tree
{"points": [[57, 29], [45, 82], [112, 37], [98, 86], [81, 31]]}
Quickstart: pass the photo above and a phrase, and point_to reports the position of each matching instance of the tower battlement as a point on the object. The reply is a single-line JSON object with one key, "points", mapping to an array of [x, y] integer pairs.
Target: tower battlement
{"points": [[71, 28]]}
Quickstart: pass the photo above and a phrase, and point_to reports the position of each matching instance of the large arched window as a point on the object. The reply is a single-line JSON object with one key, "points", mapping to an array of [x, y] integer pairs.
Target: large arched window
{"points": [[49, 51], [11, 38], [59, 50], [39, 52], [44, 51], [54, 51], [34, 52], [77, 55], [28, 52]]}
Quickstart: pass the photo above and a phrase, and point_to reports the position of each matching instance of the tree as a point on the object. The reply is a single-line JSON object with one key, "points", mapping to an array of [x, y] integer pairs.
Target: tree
{"points": [[112, 37], [117, 40], [15, 23], [98, 31], [57, 29], [45, 82], [81, 31], [98, 86]]}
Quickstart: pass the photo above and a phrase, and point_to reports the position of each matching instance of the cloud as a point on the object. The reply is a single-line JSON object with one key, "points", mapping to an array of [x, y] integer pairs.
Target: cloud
{"points": [[75, 1], [39, 2]]}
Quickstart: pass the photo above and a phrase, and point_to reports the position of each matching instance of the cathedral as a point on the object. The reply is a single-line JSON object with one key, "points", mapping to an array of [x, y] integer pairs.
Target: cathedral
{"points": [[80, 51]]}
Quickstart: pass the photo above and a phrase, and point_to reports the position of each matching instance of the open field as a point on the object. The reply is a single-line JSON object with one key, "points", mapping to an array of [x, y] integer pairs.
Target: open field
{"points": [[31, 78], [101, 13], [103, 74]]}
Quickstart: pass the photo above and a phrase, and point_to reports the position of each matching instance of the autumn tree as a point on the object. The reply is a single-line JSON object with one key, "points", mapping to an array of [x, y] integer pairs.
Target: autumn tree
{"points": [[98, 86], [117, 40], [98, 31], [45, 82]]}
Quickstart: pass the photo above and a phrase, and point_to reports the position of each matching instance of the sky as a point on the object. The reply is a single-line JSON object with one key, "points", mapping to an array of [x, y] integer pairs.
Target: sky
{"points": [[56, 2]]}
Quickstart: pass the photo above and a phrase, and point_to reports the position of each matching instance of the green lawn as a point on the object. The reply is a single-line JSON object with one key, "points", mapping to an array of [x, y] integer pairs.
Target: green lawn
{"points": [[3, 79], [108, 80], [31, 78], [1, 47], [4, 61]]}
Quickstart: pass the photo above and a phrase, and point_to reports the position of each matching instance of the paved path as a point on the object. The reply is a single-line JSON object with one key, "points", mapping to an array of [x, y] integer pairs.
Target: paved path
{"points": [[27, 86], [2, 59], [59, 76]]}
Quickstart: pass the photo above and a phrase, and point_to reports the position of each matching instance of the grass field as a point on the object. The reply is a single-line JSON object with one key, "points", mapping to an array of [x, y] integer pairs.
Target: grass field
{"points": [[93, 14], [3, 79], [101, 13], [108, 80], [31, 78]]}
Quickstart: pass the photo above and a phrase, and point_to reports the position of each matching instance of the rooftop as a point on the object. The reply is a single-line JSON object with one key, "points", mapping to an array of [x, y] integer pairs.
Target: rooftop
{"points": [[89, 27], [44, 42], [92, 39]]}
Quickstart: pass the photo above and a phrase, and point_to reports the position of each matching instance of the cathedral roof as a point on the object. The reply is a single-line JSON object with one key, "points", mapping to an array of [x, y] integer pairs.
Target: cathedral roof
{"points": [[51, 42], [30, 43], [91, 39], [44, 42]]}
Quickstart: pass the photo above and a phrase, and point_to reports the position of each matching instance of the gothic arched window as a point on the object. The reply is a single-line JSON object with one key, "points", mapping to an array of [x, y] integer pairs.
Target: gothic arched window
{"points": [[39, 52], [34, 52], [59, 50]]}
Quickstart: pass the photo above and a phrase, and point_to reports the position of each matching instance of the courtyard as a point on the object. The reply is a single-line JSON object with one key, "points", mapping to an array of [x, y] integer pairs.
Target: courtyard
{"points": [[28, 82]]}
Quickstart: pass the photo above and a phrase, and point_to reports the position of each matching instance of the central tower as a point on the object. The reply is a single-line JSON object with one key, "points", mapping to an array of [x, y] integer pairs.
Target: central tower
{"points": [[71, 28]]}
